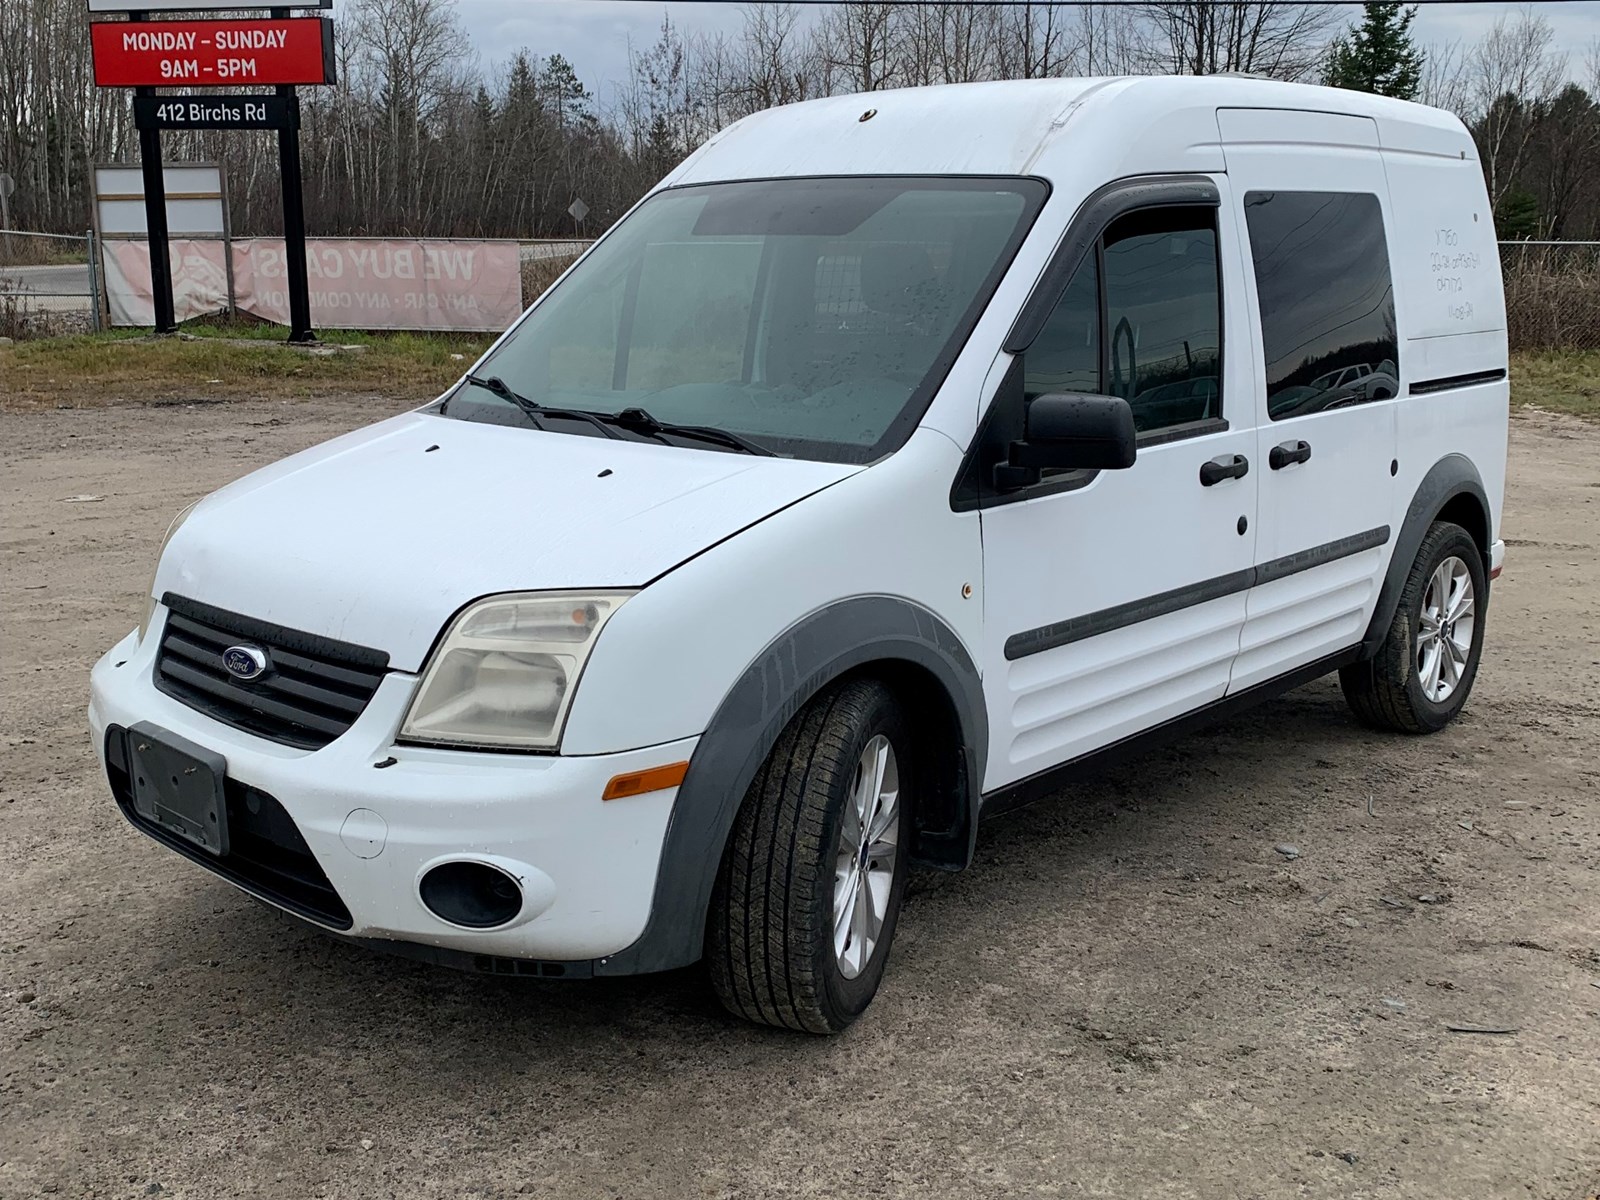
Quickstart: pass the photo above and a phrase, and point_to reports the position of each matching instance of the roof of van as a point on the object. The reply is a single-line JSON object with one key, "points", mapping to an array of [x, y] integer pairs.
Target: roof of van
{"points": [[1055, 128]]}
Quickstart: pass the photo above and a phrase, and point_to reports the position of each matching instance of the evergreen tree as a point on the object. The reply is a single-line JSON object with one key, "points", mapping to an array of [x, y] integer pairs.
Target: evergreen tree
{"points": [[1379, 54], [569, 101], [661, 149], [1517, 216]]}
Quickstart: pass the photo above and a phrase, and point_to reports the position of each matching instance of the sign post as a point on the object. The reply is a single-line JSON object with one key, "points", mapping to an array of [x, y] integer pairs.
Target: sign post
{"points": [[294, 230], [281, 51], [155, 217]]}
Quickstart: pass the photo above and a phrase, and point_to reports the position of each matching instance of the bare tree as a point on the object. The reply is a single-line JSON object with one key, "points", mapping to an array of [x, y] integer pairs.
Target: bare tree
{"points": [[53, 120], [1210, 37], [861, 43], [1563, 169], [966, 47], [413, 58], [1511, 74], [775, 60], [1035, 41], [1108, 40], [1444, 78]]}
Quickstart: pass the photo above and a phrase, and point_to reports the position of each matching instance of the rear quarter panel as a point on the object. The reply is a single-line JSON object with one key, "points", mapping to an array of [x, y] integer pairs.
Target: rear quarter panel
{"points": [[1450, 304]]}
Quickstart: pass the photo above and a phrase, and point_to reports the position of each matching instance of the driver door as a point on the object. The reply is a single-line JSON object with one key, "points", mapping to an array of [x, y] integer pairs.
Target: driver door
{"points": [[1114, 600]]}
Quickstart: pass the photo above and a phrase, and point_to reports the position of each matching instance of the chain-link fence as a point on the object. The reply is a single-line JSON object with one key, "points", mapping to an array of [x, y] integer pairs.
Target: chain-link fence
{"points": [[1552, 294], [49, 283], [544, 260]]}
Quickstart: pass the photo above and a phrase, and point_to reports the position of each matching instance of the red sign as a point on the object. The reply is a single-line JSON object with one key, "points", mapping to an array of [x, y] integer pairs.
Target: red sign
{"points": [[186, 53]]}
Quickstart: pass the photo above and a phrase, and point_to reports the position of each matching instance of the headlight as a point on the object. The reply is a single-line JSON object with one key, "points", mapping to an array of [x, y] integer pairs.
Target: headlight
{"points": [[506, 671], [150, 592]]}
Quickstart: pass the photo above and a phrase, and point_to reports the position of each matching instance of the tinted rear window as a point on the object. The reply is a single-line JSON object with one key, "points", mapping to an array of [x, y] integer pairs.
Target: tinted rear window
{"points": [[1327, 302]]}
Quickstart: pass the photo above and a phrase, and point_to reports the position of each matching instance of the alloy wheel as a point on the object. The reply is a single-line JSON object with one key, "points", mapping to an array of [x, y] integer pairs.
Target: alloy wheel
{"points": [[1444, 632], [866, 857]]}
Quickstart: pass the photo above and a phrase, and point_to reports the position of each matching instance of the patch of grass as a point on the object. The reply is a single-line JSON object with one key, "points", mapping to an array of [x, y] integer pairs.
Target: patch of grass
{"points": [[539, 273], [41, 252], [1564, 381], [224, 362]]}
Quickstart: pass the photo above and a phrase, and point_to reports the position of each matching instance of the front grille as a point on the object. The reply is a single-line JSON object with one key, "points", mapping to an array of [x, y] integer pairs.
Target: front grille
{"points": [[266, 853], [314, 690]]}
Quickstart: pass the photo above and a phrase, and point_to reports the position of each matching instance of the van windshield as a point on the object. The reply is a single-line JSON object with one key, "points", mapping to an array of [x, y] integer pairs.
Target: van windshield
{"points": [[814, 317]]}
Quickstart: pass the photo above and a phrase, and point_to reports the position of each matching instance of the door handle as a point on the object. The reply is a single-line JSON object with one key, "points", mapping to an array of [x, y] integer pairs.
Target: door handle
{"points": [[1289, 453], [1232, 466]]}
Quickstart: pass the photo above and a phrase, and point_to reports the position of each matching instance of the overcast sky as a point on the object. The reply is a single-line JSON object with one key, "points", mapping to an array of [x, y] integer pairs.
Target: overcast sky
{"points": [[594, 34]]}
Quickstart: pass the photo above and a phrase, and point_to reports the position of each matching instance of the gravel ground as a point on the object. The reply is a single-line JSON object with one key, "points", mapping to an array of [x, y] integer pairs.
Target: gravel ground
{"points": [[1133, 993]]}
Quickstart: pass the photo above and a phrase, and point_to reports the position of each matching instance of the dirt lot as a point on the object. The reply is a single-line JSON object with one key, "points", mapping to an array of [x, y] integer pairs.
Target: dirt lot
{"points": [[1132, 994]]}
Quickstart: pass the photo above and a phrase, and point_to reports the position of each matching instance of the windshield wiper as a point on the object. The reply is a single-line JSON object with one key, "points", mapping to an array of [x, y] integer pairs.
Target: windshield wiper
{"points": [[535, 411], [638, 420]]}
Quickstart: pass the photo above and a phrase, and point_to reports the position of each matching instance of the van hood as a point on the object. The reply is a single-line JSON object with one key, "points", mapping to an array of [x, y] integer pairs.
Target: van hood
{"points": [[380, 536]]}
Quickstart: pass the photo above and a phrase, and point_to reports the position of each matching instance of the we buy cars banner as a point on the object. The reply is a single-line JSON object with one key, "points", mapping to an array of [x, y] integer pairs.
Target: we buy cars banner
{"points": [[356, 283], [386, 284], [359, 283], [287, 50]]}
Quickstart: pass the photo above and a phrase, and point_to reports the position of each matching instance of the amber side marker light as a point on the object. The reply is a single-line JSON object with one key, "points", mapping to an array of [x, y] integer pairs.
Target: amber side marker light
{"points": [[637, 783]]}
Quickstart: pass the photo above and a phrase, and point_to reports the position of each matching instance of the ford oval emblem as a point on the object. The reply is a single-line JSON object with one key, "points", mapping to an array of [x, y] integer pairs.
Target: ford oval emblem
{"points": [[245, 662]]}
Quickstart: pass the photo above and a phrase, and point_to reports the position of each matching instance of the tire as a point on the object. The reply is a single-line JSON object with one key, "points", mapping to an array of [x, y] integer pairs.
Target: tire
{"points": [[770, 939], [1395, 689]]}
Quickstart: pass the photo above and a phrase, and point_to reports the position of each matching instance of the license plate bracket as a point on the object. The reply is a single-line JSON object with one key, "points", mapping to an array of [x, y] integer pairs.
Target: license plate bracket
{"points": [[178, 786]]}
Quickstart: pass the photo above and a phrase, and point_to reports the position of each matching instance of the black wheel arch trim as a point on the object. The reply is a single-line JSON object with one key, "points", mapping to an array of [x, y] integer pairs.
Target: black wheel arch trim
{"points": [[816, 650], [1450, 477]]}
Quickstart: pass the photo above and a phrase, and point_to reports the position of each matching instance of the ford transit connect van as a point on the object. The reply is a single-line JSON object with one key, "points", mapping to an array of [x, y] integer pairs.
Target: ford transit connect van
{"points": [[896, 456]]}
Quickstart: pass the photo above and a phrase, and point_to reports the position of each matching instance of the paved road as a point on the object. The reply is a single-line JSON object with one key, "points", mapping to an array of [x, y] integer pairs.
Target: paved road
{"points": [[63, 288], [536, 251], [69, 278]]}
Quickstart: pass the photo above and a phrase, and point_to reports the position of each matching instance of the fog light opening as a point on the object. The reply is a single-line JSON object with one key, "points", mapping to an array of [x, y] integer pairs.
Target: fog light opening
{"points": [[471, 894]]}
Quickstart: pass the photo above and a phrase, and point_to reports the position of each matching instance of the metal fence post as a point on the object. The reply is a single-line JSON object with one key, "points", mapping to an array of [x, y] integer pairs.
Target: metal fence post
{"points": [[94, 280]]}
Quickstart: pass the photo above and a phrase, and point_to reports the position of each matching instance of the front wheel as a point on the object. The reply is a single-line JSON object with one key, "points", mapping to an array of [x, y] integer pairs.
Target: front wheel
{"points": [[810, 886], [1424, 670]]}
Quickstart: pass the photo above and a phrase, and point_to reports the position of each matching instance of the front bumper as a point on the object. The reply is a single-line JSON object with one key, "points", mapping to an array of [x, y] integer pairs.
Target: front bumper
{"points": [[588, 866]]}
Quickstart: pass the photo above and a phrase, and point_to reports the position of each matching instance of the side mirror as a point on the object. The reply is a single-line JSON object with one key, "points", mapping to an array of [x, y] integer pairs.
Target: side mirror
{"points": [[1072, 432]]}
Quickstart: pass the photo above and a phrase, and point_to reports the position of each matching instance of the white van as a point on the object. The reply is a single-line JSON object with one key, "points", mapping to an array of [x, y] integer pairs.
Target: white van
{"points": [[897, 456]]}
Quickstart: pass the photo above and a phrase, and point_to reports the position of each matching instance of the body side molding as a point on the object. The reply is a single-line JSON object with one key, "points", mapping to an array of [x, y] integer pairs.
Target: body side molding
{"points": [[803, 659], [1075, 629], [1449, 383]]}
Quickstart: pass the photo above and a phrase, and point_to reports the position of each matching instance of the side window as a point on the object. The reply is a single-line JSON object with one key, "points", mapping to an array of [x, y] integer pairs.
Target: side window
{"points": [[1164, 314], [1141, 320], [1327, 303], [1065, 357]]}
